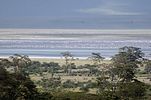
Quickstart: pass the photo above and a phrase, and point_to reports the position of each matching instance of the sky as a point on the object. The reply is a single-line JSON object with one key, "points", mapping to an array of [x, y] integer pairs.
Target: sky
{"points": [[76, 14]]}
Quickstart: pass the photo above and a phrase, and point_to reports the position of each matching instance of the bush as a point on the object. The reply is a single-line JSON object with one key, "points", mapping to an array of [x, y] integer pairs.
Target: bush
{"points": [[69, 84], [74, 96], [133, 90]]}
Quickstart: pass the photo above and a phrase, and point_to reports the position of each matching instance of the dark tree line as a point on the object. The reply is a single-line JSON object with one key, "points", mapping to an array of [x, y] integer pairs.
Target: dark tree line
{"points": [[17, 85]]}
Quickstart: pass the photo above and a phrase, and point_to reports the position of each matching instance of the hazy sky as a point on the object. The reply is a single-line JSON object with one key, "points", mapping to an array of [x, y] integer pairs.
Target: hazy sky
{"points": [[75, 14]]}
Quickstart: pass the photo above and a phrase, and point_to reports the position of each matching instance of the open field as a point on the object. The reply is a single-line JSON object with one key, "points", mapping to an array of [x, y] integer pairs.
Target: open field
{"points": [[61, 61], [78, 62]]}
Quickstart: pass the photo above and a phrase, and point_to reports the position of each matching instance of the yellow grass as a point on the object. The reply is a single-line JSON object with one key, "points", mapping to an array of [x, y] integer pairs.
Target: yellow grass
{"points": [[78, 78], [61, 61], [77, 62]]}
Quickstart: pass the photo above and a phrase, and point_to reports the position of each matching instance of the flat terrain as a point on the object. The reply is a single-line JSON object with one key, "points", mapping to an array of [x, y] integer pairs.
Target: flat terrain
{"points": [[103, 34], [78, 62], [61, 61]]}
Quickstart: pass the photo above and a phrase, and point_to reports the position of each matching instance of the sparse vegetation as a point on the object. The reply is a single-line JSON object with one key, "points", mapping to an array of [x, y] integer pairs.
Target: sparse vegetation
{"points": [[24, 79]]}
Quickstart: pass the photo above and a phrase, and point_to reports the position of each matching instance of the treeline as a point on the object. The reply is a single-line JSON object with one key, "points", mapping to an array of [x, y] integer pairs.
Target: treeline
{"points": [[115, 81]]}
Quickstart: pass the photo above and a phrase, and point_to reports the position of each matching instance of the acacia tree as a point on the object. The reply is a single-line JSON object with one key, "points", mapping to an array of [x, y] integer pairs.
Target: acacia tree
{"points": [[68, 59], [102, 80], [121, 75], [20, 61], [123, 70], [96, 58], [126, 62]]}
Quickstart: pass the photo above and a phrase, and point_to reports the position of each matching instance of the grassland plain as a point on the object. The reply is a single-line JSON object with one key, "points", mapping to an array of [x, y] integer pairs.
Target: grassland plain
{"points": [[78, 62], [61, 61]]}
